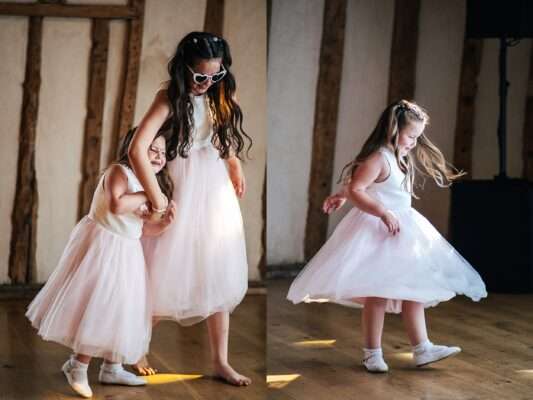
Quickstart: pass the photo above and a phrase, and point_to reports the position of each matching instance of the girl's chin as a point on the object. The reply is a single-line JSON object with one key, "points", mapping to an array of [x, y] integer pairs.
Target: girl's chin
{"points": [[198, 92]]}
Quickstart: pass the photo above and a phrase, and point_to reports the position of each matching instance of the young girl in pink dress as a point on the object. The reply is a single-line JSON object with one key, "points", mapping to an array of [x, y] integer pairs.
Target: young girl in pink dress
{"points": [[198, 268], [97, 300], [384, 256]]}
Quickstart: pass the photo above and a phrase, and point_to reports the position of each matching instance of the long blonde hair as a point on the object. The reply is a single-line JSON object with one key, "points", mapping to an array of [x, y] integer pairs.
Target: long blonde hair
{"points": [[426, 158]]}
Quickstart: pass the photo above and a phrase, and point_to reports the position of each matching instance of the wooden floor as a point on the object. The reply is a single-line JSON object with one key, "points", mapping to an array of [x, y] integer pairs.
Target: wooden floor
{"points": [[313, 351], [30, 367]]}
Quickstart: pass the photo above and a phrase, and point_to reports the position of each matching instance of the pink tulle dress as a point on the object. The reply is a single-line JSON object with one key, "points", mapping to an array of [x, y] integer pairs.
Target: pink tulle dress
{"points": [[198, 266], [97, 299], [362, 259]]}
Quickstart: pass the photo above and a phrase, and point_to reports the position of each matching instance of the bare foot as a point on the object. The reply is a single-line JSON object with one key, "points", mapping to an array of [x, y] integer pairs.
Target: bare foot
{"points": [[143, 368], [225, 372]]}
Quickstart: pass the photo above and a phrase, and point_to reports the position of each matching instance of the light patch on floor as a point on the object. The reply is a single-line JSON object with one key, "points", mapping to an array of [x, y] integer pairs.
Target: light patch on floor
{"points": [[280, 381], [159, 379], [316, 343]]}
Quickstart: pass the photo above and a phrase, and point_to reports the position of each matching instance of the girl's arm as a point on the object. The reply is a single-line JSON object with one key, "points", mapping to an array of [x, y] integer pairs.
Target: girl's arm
{"points": [[138, 151], [157, 228], [364, 175], [116, 186], [236, 175]]}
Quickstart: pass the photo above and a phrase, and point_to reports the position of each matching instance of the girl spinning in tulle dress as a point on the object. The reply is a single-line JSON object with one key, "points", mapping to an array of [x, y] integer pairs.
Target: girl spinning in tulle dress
{"points": [[384, 256], [97, 300]]}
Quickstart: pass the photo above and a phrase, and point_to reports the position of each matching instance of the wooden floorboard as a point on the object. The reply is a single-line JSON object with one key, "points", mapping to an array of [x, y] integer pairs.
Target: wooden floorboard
{"points": [[496, 336], [30, 367]]}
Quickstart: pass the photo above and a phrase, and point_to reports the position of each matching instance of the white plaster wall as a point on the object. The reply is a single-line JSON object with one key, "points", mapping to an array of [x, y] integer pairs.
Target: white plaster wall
{"points": [[295, 34], [166, 23], [245, 30], [365, 81], [438, 71], [485, 164], [13, 55], [60, 127], [115, 65]]}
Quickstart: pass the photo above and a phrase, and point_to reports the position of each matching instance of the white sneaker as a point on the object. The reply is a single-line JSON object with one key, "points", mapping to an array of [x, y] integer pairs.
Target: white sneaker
{"points": [[374, 361], [76, 373], [431, 353], [115, 374]]}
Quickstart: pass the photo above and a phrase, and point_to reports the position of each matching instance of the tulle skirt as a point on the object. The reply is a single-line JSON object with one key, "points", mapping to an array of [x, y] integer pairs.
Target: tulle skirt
{"points": [[362, 259], [198, 266], [96, 301]]}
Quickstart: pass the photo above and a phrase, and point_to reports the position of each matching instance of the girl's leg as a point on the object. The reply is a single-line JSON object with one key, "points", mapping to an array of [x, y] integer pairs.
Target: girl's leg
{"points": [[424, 352], [414, 320], [373, 317], [218, 328], [83, 358]]}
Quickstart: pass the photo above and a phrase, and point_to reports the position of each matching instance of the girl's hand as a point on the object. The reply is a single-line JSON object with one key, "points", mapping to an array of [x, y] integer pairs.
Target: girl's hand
{"points": [[169, 215], [333, 203], [237, 176], [392, 223], [143, 211]]}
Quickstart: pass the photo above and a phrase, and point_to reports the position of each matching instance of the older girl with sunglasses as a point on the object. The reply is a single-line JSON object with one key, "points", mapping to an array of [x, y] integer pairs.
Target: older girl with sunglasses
{"points": [[198, 266]]}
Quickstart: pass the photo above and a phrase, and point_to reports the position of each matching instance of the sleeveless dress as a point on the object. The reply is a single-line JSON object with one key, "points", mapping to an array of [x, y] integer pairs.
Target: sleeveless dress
{"points": [[198, 266], [96, 301], [362, 259]]}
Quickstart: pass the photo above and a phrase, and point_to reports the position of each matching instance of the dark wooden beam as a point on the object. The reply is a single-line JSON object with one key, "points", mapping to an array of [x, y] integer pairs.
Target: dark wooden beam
{"points": [[132, 64], [527, 138], [214, 17], [95, 114], [68, 10], [464, 129], [404, 50], [269, 24], [325, 123], [263, 260], [22, 265]]}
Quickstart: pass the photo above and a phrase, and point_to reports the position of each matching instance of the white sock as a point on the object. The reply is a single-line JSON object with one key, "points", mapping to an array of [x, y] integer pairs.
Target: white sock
{"points": [[372, 352], [423, 345], [78, 364], [110, 366]]}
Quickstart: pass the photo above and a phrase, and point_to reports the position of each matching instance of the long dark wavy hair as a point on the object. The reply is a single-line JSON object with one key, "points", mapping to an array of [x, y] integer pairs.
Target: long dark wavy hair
{"points": [[163, 177], [228, 134], [426, 158]]}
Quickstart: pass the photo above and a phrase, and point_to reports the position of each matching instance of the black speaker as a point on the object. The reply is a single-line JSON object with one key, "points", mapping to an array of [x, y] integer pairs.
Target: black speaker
{"points": [[491, 225], [497, 18]]}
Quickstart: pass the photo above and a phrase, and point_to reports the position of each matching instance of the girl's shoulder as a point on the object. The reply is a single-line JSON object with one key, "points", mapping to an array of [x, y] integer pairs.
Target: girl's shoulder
{"points": [[376, 165], [118, 170], [378, 158]]}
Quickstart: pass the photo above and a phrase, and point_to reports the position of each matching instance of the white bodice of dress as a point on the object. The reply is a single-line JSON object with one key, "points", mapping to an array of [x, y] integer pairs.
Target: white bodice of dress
{"points": [[128, 225], [392, 191], [203, 127]]}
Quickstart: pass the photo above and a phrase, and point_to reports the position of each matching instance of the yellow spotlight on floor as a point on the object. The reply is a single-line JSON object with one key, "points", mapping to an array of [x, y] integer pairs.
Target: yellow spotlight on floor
{"points": [[407, 356], [159, 379], [525, 372], [280, 381], [315, 343]]}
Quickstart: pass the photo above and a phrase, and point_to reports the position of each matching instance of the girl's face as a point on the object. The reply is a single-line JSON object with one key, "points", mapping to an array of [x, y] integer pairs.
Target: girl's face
{"points": [[409, 136], [157, 154], [206, 67]]}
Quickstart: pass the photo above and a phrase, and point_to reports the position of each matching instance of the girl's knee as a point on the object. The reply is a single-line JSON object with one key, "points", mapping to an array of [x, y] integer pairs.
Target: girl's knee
{"points": [[376, 302]]}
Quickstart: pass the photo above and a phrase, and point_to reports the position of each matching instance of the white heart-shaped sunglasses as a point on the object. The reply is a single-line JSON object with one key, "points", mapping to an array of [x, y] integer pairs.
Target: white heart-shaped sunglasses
{"points": [[202, 78]]}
